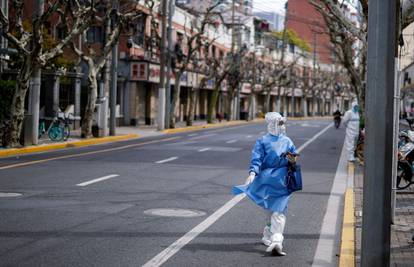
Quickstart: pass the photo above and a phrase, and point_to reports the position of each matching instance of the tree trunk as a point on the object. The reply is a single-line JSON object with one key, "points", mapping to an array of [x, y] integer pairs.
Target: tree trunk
{"points": [[12, 136], [313, 106], [230, 96], [212, 105], [304, 107], [86, 131], [267, 102], [251, 109], [285, 106], [278, 104], [175, 101], [190, 117]]}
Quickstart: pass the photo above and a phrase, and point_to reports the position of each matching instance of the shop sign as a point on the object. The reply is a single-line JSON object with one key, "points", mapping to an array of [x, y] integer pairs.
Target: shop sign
{"points": [[246, 88], [154, 74]]}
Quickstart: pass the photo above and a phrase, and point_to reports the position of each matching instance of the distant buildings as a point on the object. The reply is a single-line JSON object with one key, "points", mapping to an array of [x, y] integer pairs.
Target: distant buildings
{"points": [[276, 20], [310, 26]]}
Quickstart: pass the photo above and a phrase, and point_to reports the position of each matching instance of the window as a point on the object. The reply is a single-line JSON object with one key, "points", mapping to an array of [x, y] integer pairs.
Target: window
{"points": [[94, 34], [292, 48], [138, 34], [61, 31]]}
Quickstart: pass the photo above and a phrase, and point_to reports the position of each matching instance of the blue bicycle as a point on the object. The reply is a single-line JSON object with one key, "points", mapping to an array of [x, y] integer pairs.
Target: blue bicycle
{"points": [[58, 130]]}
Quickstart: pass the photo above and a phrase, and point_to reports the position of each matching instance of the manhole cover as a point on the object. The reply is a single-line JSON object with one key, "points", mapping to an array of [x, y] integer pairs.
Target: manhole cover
{"points": [[3, 194], [175, 213]]}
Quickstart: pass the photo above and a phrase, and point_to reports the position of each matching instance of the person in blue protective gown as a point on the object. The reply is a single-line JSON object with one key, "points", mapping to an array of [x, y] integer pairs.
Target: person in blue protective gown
{"points": [[266, 184]]}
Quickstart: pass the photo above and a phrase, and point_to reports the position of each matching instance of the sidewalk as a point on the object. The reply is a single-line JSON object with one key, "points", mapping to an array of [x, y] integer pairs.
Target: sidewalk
{"points": [[402, 247]]}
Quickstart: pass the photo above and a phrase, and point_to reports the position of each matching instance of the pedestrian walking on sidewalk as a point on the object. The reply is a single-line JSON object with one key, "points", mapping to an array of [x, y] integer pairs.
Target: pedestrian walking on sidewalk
{"points": [[351, 122], [266, 184]]}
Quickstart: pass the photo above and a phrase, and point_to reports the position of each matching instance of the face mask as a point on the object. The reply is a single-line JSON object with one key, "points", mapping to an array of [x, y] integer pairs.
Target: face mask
{"points": [[355, 109]]}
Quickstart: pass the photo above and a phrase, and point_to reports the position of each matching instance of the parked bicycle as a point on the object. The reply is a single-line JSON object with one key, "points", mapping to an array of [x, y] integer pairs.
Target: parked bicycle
{"points": [[59, 129]]}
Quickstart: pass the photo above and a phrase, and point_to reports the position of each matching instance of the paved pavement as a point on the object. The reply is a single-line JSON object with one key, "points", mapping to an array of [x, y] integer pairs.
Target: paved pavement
{"points": [[402, 245], [108, 222]]}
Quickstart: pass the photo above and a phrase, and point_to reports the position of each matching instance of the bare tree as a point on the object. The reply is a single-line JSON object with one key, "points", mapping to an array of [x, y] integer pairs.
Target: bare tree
{"points": [[194, 41], [28, 41], [114, 22], [218, 71], [349, 39]]}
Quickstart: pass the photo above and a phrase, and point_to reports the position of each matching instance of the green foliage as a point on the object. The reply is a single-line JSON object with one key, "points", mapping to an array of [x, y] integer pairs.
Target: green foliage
{"points": [[292, 38], [7, 89]]}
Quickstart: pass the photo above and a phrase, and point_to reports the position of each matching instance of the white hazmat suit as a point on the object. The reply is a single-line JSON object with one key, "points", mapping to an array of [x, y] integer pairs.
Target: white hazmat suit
{"points": [[273, 231], [351, 122]]}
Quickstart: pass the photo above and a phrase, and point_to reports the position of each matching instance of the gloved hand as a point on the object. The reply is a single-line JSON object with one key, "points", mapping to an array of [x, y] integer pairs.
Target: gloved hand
{"points": [[291, 158], [251, 177]]}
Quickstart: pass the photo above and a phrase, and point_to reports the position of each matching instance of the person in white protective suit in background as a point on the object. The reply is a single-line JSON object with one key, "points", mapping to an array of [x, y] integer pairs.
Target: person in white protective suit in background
{"points": [[351, 122], [266, 184]]}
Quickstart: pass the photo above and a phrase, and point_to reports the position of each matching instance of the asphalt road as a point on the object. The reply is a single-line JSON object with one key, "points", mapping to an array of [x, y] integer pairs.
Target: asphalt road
{"points": [[108, 223]]}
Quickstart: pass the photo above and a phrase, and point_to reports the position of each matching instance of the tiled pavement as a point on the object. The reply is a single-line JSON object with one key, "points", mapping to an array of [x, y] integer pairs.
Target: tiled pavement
{"points": [[402, 246]]}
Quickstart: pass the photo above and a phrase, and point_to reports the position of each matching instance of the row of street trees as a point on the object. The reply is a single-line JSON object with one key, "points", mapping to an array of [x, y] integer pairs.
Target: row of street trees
{"points": [[28, 34]]}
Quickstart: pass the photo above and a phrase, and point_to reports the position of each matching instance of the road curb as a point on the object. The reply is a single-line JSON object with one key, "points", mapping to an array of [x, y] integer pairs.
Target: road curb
{"points": [[81, 143], [347, 253]]}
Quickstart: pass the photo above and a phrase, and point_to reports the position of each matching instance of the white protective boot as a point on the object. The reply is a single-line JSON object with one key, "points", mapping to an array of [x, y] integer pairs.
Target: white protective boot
{"points": [[278, 221], [267, 235]]}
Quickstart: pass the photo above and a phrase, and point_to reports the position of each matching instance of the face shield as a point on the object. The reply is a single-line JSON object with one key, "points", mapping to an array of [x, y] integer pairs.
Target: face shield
{"points": [[275, 123]]}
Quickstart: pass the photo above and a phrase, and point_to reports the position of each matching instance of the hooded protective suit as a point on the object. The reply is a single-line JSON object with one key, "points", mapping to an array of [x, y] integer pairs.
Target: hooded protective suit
{"points": [[268, 189], [351, 122]]}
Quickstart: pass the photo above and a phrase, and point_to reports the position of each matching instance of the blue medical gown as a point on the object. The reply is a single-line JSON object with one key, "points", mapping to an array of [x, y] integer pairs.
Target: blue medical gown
{"points": [[269, 189]]}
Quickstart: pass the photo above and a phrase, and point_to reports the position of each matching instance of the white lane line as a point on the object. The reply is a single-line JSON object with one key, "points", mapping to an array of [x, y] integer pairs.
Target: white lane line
{"points": [[98, 180], [167, 253], [194, 134], [248, 136], [231, 141], [262, 133], [166, 160], [202, 136], [204, 149], [327, 248], [177, 245]]}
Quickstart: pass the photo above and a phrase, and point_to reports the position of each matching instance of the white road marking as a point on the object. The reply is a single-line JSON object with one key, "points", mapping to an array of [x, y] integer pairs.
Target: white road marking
{"points": [[248, 136], [167, 253], [204, 149], [166, 160], [202, 136], [231, 141], [326, 248], [98, 180], [194, 134], [262, 133]]}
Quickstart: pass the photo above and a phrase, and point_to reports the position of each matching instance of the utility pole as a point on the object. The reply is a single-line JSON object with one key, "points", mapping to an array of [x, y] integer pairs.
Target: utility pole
{"points": [[379, 99], [114, 74], [161, 88], [314, 74], [233, 43], [282, 59], [34, 94], [171, 9]]}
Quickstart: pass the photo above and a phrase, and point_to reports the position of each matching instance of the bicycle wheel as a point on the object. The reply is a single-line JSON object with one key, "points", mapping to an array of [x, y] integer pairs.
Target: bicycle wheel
{"points": [[66, 132], [404, 175], [55, 133]]}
